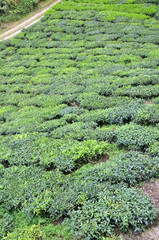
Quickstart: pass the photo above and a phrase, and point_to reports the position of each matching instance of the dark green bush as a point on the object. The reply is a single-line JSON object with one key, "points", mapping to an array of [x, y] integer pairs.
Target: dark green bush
{"points": [[114, 207], [131, 168], [92, 101], [147, 115], [121, 114], [137, 137], [56, 194], [154, 149], [6, 223], [156, 100], [76, 131], [139, 91], [65, 155]]}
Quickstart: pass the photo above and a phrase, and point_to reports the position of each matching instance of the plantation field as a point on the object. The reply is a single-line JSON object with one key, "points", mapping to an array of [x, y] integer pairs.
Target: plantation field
{"points": [[79, 97]]}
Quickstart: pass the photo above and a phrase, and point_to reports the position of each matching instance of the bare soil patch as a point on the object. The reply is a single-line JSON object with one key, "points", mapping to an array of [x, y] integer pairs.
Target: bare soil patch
{"points": [[58, 221], [148, 102], [151, 189], [104, 158]]}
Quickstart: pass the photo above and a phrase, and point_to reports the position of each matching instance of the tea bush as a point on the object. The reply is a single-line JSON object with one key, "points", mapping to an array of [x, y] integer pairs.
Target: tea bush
{"points": [[139, 91], [66, 154], [132, 136], [114, 207], [53, 194], [154, 149], [148, 115], [131, 168], [23, 234]]}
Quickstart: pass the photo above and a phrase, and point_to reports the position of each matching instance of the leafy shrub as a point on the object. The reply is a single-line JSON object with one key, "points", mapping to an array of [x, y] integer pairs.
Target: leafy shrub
{"points": [[104, 134], [124, 114], [6, 111], [114, 207], [131, 168], [75, 130], [6, 223], [154, 149], [36, 148], [20, 150], [147, 115], [156, 100], [56, 194], [92, 101], [137, 137], [140, 91], [32, 232], [51, 194], [118, 115], [98, 116], [71, 155]]}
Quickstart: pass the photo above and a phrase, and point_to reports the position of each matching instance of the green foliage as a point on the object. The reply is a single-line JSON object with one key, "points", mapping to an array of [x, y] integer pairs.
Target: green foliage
{"points": [[137, 137], [131, 168], [6, 223], [147, 115], [114, 207], [121, 114], [79, 120], [154, 149], [139, 91], [66, 155], [23, 234], [56, 194]]}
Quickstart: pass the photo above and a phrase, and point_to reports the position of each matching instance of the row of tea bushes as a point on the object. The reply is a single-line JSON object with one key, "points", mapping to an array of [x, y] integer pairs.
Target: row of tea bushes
{"points": [[69, 147], [54, 196]]}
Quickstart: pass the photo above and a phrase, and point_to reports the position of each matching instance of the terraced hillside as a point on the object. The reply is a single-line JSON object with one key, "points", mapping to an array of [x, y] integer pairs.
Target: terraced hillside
{"points": [[80, 121]]}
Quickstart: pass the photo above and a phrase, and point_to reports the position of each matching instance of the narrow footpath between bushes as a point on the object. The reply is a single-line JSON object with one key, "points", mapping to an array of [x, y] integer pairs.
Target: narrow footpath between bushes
{"points": [[27, 23]]}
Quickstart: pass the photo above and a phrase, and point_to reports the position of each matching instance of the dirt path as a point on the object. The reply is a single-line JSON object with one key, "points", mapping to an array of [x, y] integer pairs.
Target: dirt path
{"points": [[14, 31]]}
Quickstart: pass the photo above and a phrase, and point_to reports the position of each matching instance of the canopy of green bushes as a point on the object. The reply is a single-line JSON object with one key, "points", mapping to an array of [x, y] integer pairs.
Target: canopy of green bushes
{"points": [[79, 114]]}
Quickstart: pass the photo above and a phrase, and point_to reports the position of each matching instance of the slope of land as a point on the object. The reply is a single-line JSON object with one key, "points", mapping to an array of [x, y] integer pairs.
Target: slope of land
{"points": [[80, 122], [14, 10], [26, 23]]}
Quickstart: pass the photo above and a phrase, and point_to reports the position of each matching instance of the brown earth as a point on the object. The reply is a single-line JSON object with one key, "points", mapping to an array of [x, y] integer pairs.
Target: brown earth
{"points": [[148, 102]]}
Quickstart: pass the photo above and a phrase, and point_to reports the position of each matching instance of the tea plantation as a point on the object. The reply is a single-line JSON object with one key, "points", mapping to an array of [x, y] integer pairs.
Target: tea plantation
{"points": [[80, 122]]}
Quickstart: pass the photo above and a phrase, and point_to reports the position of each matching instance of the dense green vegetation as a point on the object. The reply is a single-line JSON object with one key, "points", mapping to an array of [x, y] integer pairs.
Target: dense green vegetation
{"points": [[80, 121], [11, 10]]}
